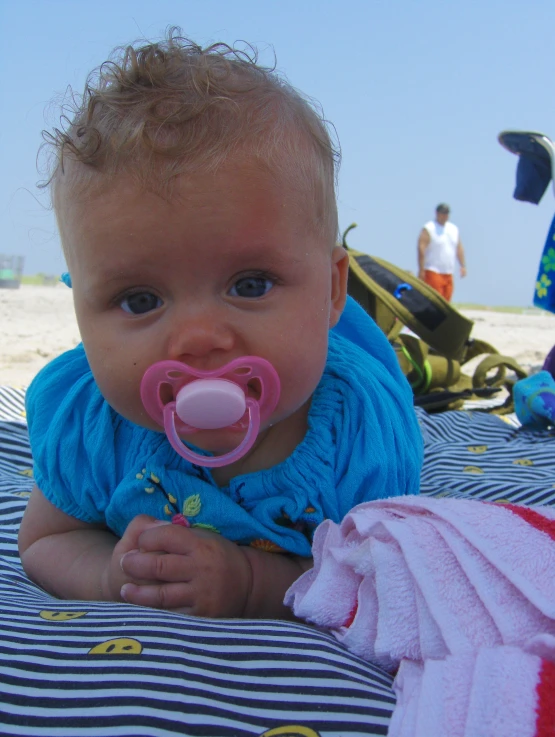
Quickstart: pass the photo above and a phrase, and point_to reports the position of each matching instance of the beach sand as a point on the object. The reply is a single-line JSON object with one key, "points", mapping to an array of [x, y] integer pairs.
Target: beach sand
{"points": [[38, 323]]}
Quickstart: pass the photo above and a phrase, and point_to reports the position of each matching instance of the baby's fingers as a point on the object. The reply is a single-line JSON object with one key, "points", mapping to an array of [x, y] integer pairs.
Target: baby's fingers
{"points": [[156, 566], [175, 538], [134, 530], [176, 596]]}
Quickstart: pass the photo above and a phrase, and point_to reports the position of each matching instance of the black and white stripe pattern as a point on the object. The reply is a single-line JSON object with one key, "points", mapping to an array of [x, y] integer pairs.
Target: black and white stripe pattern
{"points": [[187, 676], [487, 457], [157, 673], [12, 404], [98, 669]]}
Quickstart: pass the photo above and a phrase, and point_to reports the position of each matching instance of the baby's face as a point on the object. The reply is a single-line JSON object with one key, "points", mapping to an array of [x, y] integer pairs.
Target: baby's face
{"points": [[228, 267]]}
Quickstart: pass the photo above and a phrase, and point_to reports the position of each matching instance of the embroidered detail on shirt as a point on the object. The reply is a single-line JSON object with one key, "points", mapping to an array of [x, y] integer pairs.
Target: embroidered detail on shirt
{"points": [[156, 481], [191, 506], [179, 519], [206, 527], [305, 524], [236, 493], [267, 546]]}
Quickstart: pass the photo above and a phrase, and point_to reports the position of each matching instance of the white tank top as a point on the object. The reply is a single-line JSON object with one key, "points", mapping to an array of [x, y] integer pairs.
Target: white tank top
{"points": [[441, 252]]}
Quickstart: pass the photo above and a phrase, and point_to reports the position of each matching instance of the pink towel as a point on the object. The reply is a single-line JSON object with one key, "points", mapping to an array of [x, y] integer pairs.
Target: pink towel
{"points": [[417, 577], [446, 586], [493, 692]]}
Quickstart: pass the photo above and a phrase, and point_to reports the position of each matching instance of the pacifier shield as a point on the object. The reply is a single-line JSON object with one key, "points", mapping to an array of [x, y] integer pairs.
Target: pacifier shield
{"points": [[211, 400]]}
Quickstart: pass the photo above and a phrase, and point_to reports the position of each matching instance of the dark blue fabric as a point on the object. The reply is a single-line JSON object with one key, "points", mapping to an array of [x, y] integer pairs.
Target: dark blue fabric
{"points": [[533, 175], [549, 364], [544, 294], [534, 168]]}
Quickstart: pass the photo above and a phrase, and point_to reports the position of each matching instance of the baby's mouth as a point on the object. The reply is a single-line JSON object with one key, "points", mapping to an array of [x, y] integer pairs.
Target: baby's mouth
{"points": [[253, 388]]}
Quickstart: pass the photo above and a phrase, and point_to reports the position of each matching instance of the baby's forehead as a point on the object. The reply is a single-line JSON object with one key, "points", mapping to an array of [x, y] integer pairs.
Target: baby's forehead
{"points": [[210, 229], [236, 200], [80, 188]]}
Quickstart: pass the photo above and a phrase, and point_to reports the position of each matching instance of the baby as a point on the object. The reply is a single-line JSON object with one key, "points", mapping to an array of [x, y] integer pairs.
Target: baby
{"points": [[194, 194]]}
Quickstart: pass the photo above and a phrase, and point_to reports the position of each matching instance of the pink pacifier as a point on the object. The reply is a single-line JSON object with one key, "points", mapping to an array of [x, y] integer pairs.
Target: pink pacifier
{"points": [[211, 400]]}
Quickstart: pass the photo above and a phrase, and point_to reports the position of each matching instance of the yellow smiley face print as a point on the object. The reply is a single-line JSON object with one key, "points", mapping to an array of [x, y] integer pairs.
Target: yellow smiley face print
{"points": [[117, 646], [53, 616]]}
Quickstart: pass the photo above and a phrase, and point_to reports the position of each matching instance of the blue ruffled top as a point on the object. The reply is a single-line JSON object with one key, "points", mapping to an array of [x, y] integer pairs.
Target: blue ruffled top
{"points": [[362, 443]]}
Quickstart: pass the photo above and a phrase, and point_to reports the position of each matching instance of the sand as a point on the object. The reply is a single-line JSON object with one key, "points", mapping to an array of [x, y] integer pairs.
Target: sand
{"points": [[38, 323]]}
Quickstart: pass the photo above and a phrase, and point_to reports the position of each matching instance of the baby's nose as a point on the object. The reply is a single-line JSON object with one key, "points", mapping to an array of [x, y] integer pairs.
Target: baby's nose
{"points": [[199, 334]]}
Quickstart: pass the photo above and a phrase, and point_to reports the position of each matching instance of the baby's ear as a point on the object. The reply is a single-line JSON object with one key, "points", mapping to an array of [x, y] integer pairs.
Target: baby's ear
{"points": [[339, 274]]}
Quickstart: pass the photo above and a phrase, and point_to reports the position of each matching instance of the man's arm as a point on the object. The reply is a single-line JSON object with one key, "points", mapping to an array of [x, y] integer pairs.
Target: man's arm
{"points": [[423, 243], [461, 259]]}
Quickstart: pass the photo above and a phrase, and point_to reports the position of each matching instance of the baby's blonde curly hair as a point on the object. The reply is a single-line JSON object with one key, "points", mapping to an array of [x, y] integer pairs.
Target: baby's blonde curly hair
{"points": [[160, 110]]}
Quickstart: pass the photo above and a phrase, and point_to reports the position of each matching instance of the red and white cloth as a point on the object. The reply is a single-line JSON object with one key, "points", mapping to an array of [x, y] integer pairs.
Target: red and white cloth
{"points": [[458, 596]]}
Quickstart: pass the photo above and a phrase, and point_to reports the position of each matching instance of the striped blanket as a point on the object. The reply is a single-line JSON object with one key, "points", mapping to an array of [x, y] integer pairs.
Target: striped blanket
{"points": [[105, 669]]}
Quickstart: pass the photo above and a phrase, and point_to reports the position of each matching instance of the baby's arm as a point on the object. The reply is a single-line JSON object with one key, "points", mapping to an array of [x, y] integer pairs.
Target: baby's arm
{"points": [[204, 574], [70, 558], [273, 574]]}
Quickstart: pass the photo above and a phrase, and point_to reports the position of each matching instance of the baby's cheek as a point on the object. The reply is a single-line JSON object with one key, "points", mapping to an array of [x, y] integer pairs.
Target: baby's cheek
{"points": [[120, 387], [299, 385]]}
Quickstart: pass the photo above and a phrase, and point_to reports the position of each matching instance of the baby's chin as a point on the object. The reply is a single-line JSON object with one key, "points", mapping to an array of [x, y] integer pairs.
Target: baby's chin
{"points": [[212, 441], [217, 442]]}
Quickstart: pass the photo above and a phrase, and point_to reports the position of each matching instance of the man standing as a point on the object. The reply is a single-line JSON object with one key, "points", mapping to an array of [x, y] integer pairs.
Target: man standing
{"points": [[439, 247]]}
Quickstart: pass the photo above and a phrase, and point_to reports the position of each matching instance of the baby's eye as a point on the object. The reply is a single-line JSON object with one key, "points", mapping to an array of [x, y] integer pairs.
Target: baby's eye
{"points": [[140, 303], [251, 287]]}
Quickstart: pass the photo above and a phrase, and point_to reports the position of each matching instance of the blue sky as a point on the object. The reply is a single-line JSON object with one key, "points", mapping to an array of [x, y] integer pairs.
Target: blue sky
{"points": [[417, 89]]}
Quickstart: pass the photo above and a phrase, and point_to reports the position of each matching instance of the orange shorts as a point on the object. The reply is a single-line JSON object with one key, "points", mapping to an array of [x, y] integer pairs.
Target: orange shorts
{"points": [[442, 283]]}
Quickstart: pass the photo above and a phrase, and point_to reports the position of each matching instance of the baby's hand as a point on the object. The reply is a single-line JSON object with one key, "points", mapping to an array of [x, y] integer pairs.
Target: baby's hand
{"points": [[194, 571], [114, 577]]}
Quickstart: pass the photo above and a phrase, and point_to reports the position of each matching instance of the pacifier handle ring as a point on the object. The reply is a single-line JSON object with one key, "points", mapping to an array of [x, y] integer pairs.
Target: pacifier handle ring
{"points": [[212, 461]]}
